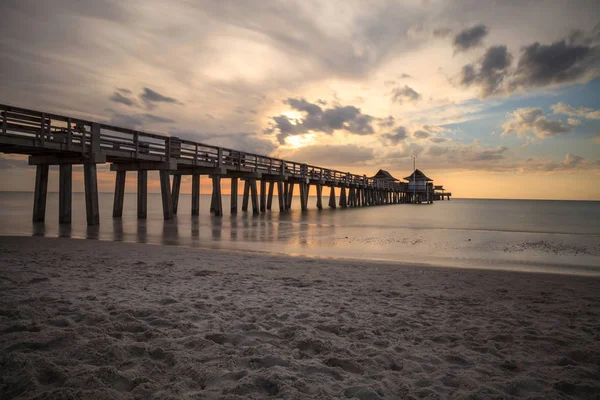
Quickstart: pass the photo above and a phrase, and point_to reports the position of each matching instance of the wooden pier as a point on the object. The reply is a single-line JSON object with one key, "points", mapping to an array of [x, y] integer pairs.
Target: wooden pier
{"points": [[51, 139]]}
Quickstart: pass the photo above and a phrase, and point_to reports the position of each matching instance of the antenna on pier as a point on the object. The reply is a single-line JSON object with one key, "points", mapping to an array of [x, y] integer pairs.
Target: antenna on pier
{"points": [[414, 178]]}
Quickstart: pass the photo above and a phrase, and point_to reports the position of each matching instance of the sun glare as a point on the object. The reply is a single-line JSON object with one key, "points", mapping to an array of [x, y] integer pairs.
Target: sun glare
{"points": [[298, 141]]}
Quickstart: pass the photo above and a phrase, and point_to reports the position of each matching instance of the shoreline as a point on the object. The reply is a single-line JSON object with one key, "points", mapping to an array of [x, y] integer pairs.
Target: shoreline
{"points": [[124, 320], [490, 264]]}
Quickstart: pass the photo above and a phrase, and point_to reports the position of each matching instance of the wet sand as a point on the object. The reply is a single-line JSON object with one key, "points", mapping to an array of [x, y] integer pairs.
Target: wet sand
{"points": [[92, 319]]}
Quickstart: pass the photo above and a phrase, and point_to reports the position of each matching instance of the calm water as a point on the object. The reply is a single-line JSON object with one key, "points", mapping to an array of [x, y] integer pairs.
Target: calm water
{"points": [[501, 234]]}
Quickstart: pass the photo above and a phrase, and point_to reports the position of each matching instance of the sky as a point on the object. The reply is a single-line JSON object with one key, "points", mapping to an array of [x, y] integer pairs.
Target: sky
{"points": [[496, 99]]}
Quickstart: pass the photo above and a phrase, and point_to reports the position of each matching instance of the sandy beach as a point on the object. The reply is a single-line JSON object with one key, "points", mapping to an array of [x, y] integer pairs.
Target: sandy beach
{"points": [[107, 320]]}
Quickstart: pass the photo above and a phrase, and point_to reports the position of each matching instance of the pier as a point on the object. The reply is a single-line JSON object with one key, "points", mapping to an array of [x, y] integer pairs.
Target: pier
{"points": [[51, 139]]}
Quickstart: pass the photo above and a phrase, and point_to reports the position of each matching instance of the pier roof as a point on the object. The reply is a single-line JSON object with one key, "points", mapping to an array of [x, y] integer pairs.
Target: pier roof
{"points": [[418, 176], [383, 175]]}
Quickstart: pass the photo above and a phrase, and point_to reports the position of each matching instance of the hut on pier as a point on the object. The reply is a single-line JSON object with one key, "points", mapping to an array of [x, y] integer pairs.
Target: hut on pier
{"points": [[384, 176], [419, 187]]}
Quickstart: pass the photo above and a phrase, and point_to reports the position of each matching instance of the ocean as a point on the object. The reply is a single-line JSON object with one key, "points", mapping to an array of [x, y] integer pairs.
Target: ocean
{"points": [[523, 235]]}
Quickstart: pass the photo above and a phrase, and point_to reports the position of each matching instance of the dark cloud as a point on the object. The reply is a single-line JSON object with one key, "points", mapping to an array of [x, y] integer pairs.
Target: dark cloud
{"points": [[490, 72], [404, 76], [573, 59], [150, 97], [157, 119], [334, 155], [420, 134], [564, 61], [404, 150], [406, 93], [315, 118], [532, 119], [119, 98], [569, 163], [469, 38], [398, 136]]}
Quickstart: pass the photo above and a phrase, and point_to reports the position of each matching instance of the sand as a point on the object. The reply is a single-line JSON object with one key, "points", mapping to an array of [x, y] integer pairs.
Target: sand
{"points": [[106, 320]]}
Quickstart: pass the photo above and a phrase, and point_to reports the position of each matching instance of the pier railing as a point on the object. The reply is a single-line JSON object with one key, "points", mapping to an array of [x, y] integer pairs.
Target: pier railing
{"points": [[48, 131]]}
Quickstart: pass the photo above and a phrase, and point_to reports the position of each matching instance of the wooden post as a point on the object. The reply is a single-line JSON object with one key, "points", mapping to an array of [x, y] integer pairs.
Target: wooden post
{"points": [[280, 196], [40, 194], [290, 195], [234, 196], [303, 196], [167, 197], [332, 202], [270, 196], [175, 192], [286, 189], [246, 195], [65, 197], [218, 206], [319, 196], [91, 194], [254, 195], [119, 194], [195, 194], [142, 194], [343, 197], [263, 195]]}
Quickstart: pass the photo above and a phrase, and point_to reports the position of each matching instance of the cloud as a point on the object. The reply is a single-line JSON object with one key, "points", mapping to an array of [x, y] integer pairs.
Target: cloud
{"points": [[573, 121], [531, 119], [489, 73], [404, 150], [137, 120], [406, 93], [387, 122], [151, 97], [442, 32], [396, 137], [571, 162], [489, 155], [334, 155], [561, 62], [421, 134], [597, 139], [318, 119], [120, 98], [437, 150], [469, 38], [582, 112], [573, 59], [243, 141], [437, 139]]}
